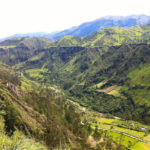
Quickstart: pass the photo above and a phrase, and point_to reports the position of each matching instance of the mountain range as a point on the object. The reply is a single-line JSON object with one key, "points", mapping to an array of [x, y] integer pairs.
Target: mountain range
{"points": [[104, 22], [91, 27]]}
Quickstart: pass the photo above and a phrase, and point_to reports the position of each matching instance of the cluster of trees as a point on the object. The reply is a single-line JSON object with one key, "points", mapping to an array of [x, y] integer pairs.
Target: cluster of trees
{"points": [[8, 75], [62, 125]]}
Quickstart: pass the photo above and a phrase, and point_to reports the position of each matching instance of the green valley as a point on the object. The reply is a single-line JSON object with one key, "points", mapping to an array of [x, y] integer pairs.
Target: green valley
{"points": [[77, 93]]}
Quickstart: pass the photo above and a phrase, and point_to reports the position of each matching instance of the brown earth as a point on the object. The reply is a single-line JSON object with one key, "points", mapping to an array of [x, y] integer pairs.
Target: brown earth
{"points": [[107, 90]]}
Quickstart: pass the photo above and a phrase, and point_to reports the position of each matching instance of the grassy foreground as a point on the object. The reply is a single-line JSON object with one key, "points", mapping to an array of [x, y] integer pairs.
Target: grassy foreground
{"points": [[18, 141]]}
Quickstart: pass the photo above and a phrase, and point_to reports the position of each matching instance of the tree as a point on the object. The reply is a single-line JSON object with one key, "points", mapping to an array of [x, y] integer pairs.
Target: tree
{"points": [[12, 119], [89, 129], [96, 133]]}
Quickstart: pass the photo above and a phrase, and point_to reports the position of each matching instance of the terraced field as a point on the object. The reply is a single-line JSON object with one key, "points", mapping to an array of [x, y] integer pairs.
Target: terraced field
{"points": [[127, 132]]}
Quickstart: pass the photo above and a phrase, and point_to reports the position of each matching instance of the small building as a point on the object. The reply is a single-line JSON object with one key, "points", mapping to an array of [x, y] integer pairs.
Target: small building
{"points": [[143, 128], [131, 124]]}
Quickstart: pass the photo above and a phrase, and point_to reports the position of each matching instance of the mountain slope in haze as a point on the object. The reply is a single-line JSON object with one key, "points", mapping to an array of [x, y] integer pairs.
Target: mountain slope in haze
{"points": [[29, 35], [104, 22], [91, 27], [108, 37]]}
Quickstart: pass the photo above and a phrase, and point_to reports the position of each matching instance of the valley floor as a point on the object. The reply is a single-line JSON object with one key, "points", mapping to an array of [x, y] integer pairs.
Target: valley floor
{"points": [[131, 132]]}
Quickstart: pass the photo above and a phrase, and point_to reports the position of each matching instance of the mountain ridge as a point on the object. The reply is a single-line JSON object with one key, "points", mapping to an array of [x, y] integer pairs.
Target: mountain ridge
{"points": [[105, 22], [90, 27]]}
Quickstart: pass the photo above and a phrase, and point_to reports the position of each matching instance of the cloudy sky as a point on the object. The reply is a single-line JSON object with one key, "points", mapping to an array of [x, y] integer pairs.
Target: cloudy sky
{"points": [[25, 16]]}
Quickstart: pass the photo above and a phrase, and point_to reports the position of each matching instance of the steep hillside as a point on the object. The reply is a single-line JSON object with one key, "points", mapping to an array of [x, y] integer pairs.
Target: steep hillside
{"points": [[33, 116], [44, 119]]}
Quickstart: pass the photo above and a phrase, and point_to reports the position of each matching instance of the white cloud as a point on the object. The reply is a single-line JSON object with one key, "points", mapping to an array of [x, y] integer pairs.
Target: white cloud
{"points": [[20, 16]]}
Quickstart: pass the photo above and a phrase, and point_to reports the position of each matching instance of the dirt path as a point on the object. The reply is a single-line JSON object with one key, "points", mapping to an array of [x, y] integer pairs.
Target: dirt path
{"points": [[107, 90]]}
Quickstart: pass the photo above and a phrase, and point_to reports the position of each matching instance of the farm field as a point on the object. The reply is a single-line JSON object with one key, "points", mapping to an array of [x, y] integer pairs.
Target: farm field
{"points": [[129, 132]]}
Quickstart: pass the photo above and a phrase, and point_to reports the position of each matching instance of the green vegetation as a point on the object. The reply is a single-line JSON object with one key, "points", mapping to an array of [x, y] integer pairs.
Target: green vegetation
{"points": [[125, 140], [140, 145], [17, 141], [108, 72], [7, 47], [140, 76], [116, 91], [87, 73], [108, 37], [27, 117], [68, 41], [121, 131]]}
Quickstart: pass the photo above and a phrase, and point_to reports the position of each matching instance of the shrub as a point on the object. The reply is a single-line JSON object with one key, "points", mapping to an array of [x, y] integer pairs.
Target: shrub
{"points": [[12, 119]]}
